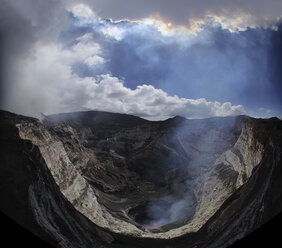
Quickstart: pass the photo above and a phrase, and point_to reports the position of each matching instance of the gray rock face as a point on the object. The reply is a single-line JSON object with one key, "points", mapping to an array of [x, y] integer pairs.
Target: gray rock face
{"points": [[96, 179]]}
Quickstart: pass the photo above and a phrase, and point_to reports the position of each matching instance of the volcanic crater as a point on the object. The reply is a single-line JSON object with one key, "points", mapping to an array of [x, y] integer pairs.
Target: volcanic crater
{"points": [[134, 179]]}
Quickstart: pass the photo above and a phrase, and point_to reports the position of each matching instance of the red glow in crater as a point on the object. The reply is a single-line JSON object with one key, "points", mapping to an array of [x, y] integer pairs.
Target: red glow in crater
{"points": [[152, 225]]}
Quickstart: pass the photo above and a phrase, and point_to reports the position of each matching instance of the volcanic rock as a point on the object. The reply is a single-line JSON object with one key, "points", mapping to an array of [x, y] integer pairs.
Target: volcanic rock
{"points": [[99, 179]]}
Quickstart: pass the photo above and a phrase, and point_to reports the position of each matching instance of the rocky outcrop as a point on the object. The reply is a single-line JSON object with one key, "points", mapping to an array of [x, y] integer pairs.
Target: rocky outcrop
{"points": [[71, 183], [30, 195], [96, 178]]}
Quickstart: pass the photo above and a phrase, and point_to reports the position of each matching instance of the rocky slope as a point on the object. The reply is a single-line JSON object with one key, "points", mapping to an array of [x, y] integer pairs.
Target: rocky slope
{"points": [[96, 179]]}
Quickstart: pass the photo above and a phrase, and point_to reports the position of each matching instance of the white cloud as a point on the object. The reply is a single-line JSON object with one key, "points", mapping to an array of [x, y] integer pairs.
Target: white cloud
{"points": [[110, 94], [268, 111], [42, 89], [84, 13], [45, 81], [113, 31], [87, 51]]}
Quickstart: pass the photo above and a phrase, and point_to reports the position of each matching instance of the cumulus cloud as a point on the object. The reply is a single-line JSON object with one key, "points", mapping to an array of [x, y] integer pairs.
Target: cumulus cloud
{"points": [[157, 58], [109, 93], [86, 51], [84, 13], [213, 62], [60, 90]]}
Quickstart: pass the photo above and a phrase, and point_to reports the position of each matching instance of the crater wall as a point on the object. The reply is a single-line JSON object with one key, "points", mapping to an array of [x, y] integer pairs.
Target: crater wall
{"points": [[147, 182]]}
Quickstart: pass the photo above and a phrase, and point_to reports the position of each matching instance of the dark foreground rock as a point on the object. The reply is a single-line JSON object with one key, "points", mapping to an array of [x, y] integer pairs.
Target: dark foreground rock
{"points": [[96, 179]]}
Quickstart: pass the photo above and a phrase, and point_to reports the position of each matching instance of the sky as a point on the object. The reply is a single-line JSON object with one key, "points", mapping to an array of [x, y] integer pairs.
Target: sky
{"points": [[151, 58]]}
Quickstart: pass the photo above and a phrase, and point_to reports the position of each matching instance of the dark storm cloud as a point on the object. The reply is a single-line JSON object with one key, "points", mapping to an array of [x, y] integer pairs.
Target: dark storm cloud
{"points": [[25, 22], [181, 11], [22, 25], [16, 35]]}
